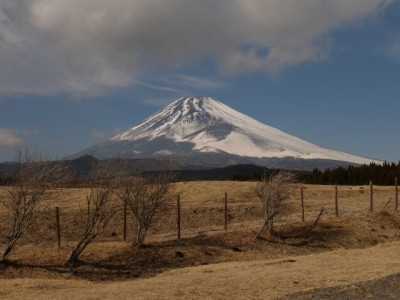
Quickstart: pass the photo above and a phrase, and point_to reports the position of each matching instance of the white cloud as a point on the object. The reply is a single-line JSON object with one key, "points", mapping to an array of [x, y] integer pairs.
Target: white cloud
{"points": [[8, 138], [83, 47], [98, 134], [158, 87], [197, 82], [104, 134], [394, 49], [158, 102], [179, 84], [27, 132]]}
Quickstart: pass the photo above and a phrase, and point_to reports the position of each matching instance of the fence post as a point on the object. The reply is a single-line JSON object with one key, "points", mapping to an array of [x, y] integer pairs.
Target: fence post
{"points": [[58, 227], [226, 211], [396, 197], [302, 203], [336, 201], [371, 196], [178, 217], [124, 225]]}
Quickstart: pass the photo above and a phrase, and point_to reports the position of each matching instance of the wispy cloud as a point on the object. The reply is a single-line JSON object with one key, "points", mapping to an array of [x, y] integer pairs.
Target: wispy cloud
{"points": [[27, 132], [8, 138], [198, 82], [158, 87], [179, 84], [9, 95], [97, 134], [394, 49], [13, 137], [158, 102]]}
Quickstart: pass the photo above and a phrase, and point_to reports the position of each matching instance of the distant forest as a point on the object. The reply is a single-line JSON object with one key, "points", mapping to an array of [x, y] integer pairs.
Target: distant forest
{"points": [[383, 174]]}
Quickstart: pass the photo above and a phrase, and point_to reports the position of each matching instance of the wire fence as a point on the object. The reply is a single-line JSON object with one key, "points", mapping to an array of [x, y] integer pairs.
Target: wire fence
{"points": [[62, 222]]}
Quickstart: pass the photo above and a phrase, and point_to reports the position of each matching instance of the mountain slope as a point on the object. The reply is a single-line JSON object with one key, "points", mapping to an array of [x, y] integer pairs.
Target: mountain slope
{"points": [[200, 130]]}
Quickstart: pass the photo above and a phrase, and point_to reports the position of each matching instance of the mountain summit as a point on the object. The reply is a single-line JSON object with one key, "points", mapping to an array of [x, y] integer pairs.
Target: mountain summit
{"points": [[203, 132]]}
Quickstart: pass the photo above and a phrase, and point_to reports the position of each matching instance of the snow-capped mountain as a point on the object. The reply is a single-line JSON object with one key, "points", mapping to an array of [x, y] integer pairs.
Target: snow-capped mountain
{"points": [[201, 131]]}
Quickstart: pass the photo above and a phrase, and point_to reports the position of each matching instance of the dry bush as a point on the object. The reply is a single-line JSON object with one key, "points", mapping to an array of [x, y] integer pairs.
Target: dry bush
{"points": [[34, 183], [147, 198], [273, 191], [101, 206]]}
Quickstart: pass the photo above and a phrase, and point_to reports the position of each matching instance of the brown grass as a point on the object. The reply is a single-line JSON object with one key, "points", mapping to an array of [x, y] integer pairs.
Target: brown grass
{"points": [[230, 257], [259, 279]]}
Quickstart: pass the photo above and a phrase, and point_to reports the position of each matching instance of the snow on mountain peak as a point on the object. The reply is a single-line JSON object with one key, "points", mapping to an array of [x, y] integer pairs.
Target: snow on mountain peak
{"points": [[211, 126], [178, 120]]}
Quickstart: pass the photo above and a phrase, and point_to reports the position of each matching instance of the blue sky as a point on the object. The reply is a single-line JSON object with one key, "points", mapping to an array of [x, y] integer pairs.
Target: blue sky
{"points": [[74, 73]]}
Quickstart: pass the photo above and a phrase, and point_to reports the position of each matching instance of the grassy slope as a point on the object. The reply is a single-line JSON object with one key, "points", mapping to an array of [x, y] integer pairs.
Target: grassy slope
{"points": [[265, 279]]}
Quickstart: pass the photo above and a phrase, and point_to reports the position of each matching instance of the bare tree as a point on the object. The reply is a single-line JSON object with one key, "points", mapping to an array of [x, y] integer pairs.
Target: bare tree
{"points": [[101, 206], [273, 191], [147, 198], [33, 184]]}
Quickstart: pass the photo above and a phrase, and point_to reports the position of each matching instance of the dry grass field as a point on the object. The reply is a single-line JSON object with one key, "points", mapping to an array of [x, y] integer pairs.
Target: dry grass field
{"points": [[208, 262]]}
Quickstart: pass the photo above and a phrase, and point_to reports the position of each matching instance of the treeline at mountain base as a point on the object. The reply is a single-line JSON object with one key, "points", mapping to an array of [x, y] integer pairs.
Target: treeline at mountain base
{"points": [[379, 174]]}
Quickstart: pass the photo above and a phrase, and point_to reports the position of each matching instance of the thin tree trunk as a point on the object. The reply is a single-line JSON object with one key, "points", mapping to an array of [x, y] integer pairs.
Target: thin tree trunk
{"points": [[263, 226], [271, 226], [74, 257], [259, 231], [141, 235], [8, 250]]}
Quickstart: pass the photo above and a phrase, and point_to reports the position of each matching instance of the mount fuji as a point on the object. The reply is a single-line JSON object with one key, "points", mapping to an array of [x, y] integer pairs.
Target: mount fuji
{"points": [[200, 132]]}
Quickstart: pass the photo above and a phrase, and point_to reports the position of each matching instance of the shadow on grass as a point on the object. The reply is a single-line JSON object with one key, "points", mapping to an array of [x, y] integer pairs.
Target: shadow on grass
{"points": [[304, 235]]}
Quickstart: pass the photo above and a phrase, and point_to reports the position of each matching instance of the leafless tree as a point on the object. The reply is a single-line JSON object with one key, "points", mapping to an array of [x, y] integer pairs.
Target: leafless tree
{"points": [[34, 184], [147, 198], [101, 206], [273, 191]]}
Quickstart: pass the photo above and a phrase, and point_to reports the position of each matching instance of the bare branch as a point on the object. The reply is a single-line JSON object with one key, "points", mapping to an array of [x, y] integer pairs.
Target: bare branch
{"points": [[273, 191], [101, 206], [35, 183], [147, 198]]}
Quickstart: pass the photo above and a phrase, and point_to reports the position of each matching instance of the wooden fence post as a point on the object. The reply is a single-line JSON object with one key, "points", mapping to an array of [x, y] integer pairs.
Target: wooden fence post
{"points": [[302, 204], [58, 227], [396, 196], [226, 211], [371, 196], [178, 218], [336, 201], [124, 220]]}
